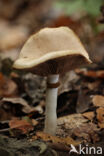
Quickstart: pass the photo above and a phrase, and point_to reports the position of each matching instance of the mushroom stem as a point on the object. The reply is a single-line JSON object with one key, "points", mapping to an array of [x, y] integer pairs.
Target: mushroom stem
{"points": [[51, 105]]}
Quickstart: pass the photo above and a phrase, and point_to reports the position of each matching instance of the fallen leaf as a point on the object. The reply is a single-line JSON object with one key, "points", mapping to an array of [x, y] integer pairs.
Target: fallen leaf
{"points": [[59, 146], [88, 132], [23, 126], [100, 117], [98, 100], [89, 115], [94, 85], [34, 122], [66, 21], [55, 139], [17, 107], [91, 73], [8, 88], [69, 123], [100, 74], [25, 107]]}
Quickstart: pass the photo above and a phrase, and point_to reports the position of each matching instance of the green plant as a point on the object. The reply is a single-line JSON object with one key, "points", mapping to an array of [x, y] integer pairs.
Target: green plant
{"points": [[91, 7]]}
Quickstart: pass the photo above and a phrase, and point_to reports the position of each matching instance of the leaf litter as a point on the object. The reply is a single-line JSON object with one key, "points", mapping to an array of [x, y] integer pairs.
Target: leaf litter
{"points": [[81, 95]]}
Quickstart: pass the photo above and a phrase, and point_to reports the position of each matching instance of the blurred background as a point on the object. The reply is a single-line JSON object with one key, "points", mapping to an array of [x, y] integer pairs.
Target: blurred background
{"points": [[21, 18]]}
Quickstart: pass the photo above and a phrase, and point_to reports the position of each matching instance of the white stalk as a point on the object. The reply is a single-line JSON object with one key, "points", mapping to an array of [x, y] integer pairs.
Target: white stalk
{"points": [[51, 106]]}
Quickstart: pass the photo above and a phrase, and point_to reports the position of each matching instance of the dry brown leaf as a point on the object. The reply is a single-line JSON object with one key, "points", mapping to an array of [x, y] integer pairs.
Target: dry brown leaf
{"points": [[89, 115], [55, 139], [25, 107], [67, 124], [59, 147], [93, 74], [15, 106], [94, 85], [100, 74], [64, 20], [100, 117], [22, 126], [88, 132], [34, 122], [8, 88], [98, 100]]}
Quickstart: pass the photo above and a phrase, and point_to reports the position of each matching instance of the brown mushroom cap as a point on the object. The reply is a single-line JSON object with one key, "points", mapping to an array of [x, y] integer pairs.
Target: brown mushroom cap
{"points": [[52, 51]]}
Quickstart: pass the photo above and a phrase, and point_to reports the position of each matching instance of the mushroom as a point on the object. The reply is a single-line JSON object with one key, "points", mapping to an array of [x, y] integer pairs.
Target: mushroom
{"points": [[52, 52]]}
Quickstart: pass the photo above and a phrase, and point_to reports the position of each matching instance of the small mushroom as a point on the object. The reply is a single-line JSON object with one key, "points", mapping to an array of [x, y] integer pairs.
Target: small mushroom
{"points": [[52, 52]]}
